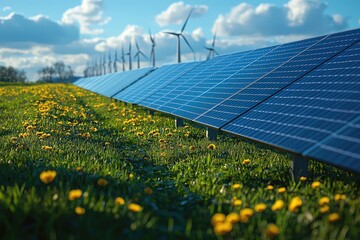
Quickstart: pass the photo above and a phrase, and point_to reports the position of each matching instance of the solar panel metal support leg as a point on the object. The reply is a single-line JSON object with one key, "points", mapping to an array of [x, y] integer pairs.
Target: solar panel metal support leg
{"points": [[151, 112], [179, 122], [299, 167], [211, 133]]}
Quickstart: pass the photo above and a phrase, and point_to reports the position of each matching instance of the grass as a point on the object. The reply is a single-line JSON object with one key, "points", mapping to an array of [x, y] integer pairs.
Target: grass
{"points": [[139, 177]]}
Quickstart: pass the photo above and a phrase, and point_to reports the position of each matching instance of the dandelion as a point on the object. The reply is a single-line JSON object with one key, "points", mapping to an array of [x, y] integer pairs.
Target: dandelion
{"points": [[245, 214], [272, 230], [78, 169], [260, 207], [295, 204], [270, 187], [148, 191], [323, 201], [223, 228], [232, 218], [107, 143], [236, 186], [236, 202], [74, 194], [47, 176], [315, 184], [163, 154], [192, 148], [131, 176], [333, 217], [14, 139], [278, 205], [246, 161], [282, 190], [80, 211], [133, 207], [303, 179], [211, 146], [102, 182], [324, 209], [119, 201], [339, 197], [46, 148], [217, 218], [140, 134]]}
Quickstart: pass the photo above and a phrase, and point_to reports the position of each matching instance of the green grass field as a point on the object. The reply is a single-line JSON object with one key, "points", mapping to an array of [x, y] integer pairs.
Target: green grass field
{"points": [[74, 164]]}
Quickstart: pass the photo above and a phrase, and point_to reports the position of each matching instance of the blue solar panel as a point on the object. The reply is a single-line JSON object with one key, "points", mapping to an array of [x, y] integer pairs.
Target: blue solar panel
{"points": [[304, 116], [256, 92], [95, 81], [153, 82], [212, 90], [79, 81], [111, 84]]}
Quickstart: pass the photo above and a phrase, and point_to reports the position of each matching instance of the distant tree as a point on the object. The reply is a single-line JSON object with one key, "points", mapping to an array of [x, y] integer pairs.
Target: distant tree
{"points": [[57, 72], [10, 74]]}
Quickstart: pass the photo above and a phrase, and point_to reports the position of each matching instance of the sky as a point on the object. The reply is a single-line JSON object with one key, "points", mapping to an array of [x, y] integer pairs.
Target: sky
{"points": [[37, 33]]}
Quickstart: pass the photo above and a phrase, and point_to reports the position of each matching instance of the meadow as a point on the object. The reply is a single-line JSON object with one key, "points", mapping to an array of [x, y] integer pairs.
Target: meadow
{"points": [[74, 164]]}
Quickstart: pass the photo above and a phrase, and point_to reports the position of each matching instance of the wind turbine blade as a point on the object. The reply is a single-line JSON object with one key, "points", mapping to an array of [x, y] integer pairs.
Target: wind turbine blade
{"points": [[188, 43], [142, 54], [136, 55], [210, 49], [214, 39], [137, 45], [187, 19], [216, 52], [172, 33]]}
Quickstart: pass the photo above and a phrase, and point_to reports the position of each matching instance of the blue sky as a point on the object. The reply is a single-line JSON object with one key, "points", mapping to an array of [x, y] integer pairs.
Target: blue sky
{"points": [[35, 33]]}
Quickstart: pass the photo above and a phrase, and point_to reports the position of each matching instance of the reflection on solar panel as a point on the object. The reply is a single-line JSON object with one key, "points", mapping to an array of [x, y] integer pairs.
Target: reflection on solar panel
{"points": [[153, 82], [111, 84], [315, 116], [264, 87]]}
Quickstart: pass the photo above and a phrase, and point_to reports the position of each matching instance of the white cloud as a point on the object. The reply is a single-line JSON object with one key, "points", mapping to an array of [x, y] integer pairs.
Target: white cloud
{"points": [[88, 15], [303, 17], [6, 8], [197, 34], [177, 12]]}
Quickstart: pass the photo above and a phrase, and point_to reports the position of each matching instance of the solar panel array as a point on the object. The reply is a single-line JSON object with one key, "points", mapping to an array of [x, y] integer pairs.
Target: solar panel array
{"points": [[303, 97]]}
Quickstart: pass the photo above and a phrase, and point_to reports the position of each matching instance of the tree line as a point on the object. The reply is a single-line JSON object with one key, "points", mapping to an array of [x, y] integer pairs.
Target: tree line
{"points": [[10, 74], [57, 72]]}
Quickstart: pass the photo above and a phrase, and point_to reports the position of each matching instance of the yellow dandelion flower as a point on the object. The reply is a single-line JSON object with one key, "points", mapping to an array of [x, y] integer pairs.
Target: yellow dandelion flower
{"points": [[324, 209], [39, 133], [270, 187], [163, 154], [47, 176], [74, 194], [78, 169], [246, 161], [236, 202], [339, 197], [46, 148], [119, 201], [14, 139], [222, 228], [295, 204], [80, 211], [131, 176], [232, 218], [278, 205], [303, 179], [245, 214], [217, 218], [323, 201], [211, 146], [333, 217], [260, 207], [282, 190], [236, 186], [140, 134], [133, 207], [315, 184], [148, 191], [102, 182], [192, 148], [272, 230]]}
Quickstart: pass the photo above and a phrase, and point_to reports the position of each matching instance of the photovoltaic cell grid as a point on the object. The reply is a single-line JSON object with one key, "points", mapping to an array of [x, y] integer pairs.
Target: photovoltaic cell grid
{"points": [[114, 83], [168, 92], [264, 87], [317, 116], [213, 90], [153, 82]]}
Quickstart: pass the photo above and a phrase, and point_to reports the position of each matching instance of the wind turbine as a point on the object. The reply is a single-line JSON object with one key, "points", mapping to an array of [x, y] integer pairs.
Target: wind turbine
{"points": [[211, 49], [104, 63], [138, 53], [152, 53], [129, 53], [115, 61], [123, 57], [95, 67], [180, 34], [109, 64]]}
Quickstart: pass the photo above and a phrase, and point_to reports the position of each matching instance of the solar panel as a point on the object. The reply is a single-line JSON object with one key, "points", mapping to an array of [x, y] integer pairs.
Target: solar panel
{"points": [[114, 83], [95, 81], [264, 87], [79, 81], [315, 116], [154, 81]]}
